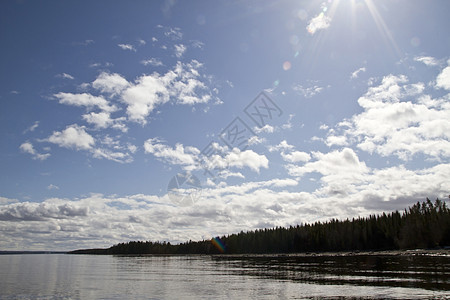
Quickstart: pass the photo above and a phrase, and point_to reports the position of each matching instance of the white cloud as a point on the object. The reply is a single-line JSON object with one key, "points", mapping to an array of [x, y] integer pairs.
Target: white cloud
{"points": [[289, 154], [145, 94], [189, 158], [255, 140], [110, 83], [32, 127], [443, 79], [66, 76], [398, 119], [307, 92], [102, 221], [427, 60], [117, 156], [227, 173], [100, 120], [336, 140], [74, 137], [173, 32], [152, 61], [27, 147], [180, 155], [340, 171], [4, 200], [52, 187], [288, 124], [247, 158], [266, 129], [356, 73], [323, 127], [296, 156], [179, 50], [197, 44], [127, 47], [132, 148], [283, 145], [28, 211], [103, 65], [181, 84], [86, 100], [319, 22], [103, 120]]}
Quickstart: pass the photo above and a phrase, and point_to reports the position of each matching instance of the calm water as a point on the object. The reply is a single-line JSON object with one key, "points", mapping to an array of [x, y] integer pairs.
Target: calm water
{"points": [[59, 276]]}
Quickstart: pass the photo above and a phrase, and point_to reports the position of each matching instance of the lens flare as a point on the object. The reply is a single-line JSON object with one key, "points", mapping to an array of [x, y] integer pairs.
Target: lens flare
{"points": [[286, 65], [218, 244]]}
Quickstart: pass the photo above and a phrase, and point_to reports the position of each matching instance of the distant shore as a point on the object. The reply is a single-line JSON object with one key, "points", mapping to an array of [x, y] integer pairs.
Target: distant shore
{"points": [[428, 252]]}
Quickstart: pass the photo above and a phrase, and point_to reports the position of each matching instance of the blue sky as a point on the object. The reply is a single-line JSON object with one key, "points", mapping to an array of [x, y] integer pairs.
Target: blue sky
{"points": [[103, 103]]}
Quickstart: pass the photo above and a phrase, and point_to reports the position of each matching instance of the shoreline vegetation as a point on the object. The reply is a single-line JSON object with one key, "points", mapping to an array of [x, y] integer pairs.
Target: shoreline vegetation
{"points": [[425, 226]]}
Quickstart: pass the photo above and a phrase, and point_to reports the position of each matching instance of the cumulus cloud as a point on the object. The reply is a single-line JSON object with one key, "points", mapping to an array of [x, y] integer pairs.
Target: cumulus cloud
{"points": [[111, 101], [333, 163], [227, 173], [190, 158], [27, 211], [52, 187], [179, 50], [356, 73], [152, 61], [288, 124], [100, 120], [296, 156], [247, 158], [307, 92], [333, 140], [28, 147], [4, 200], [74, 137], [173, 33], [289, 154], [103, 120], [87, 100], [443, 79], [340, 171], [427, 60], [101, 221], [398, 119], [110, 83], [179, 155], [181, 84], [283, 145], [319, 22], [127, 47], [266, 129], [32, 127], [117, 156], [65, 76]]}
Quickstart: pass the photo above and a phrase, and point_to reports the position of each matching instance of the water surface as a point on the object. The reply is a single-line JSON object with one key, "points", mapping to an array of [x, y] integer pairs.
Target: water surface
{"points": [[63, 276]]}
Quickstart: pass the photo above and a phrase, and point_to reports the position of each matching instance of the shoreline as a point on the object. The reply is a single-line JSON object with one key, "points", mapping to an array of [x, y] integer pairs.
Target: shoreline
{"points": [[410, 252]]}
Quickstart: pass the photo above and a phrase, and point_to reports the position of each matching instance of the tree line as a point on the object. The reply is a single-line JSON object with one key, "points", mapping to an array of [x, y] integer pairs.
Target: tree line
{"points": [[424, 225]]}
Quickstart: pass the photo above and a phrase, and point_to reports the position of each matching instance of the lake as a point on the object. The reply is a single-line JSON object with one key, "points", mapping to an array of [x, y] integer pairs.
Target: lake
{"points": [[355, 276]]}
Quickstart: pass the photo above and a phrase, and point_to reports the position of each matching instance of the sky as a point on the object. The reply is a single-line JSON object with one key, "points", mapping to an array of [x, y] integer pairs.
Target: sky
{"points": [[185, 120]]}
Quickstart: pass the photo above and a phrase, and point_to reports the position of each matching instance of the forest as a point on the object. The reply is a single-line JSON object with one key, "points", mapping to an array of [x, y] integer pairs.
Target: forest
{"points": [[425, 225]]}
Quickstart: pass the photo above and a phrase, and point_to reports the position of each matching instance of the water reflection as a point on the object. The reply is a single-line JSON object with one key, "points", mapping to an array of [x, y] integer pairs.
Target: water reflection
{"points": [[418, 271], [224, 277]]}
